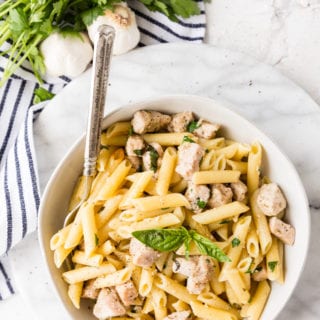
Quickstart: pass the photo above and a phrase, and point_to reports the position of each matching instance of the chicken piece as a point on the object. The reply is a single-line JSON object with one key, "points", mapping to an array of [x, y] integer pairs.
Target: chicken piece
{"points": [[271, 200], [108, 305], [260, 274], [136, 162], [127, 292], [179, 315], [189, 157], [180, 121], [198, 269], [149, 121], [220, 195], [239, 190], [135, 146], [198, 196], [142, 255], [152, 157], [206, 129], [184, 266], [283, 231], [89, 291]]}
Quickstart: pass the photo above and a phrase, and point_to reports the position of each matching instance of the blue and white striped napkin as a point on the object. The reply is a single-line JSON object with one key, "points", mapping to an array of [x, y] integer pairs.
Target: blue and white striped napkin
{"points": [[19, 185]]}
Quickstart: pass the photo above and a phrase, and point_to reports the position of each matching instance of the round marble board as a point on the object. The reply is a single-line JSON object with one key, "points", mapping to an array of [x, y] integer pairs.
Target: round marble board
{"points": [[254, 90]]}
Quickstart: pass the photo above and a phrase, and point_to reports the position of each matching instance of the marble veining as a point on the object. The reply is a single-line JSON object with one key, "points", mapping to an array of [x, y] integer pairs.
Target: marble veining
{"points": [[256, 91]]}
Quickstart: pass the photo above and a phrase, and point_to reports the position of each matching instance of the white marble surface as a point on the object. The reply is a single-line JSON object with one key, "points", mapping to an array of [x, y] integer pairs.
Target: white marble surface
{"points": [[282, 33]]}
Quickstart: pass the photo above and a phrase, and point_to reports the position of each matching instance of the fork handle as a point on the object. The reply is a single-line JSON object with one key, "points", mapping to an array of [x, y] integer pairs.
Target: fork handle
{"points": [[100, 72]]}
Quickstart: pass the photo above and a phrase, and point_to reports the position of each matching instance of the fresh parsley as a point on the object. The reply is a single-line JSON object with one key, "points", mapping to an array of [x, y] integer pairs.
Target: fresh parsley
{"points": [[187, 139], [235, 242], [201, 204], [154, 156], [172, 239], [26, 23], [272, 265], [130, 132], [96, 238], [193, 125], [41, 94], [138, 152], [224, 222]]}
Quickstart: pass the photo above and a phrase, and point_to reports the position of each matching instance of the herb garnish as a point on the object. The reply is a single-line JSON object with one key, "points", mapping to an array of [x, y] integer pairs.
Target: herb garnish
{"points": [[138, 152], [96, 238], [154, 156], [224, 221], [201, 204], [193, 125], [172, 239], [26, 23], [41, 94], [130, 132], [272, 265], [187, 139], [235, 242]]}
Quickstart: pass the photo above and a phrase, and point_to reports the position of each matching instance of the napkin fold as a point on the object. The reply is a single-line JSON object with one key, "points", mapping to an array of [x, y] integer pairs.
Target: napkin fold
{"points": [[19, 183]]}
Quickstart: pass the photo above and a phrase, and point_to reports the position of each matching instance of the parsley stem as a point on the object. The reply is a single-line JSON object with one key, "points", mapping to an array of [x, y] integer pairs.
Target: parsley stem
{"points": [[12, 68], [5, 11]]}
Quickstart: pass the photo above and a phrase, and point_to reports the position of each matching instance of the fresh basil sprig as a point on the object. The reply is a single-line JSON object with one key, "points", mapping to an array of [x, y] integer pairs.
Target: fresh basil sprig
{"points": [[172, 239]]}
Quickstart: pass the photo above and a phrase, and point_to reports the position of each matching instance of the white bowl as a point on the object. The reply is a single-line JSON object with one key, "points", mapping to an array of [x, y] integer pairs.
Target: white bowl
{"points": [[275, 165]]}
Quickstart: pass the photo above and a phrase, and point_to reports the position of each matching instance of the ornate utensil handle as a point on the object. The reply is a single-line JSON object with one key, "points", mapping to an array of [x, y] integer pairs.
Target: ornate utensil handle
{"points": [[101, 65]]}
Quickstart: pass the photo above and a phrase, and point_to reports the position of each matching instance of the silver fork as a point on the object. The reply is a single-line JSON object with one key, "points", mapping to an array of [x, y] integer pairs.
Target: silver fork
{"points": [[101, 65]]}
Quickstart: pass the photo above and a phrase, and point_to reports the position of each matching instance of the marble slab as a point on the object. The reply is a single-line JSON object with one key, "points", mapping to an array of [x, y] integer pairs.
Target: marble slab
{"points": [[257, 91]]}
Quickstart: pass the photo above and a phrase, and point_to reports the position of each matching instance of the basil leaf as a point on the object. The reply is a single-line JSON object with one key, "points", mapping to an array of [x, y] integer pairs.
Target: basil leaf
{"points": [[162, 239], [272, 265], [187, 139], [235, 242], [207, 247], [193, 125]]}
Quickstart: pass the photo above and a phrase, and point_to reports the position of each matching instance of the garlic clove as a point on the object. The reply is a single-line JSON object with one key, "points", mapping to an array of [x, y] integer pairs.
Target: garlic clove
{"points": [[67, 55], [123, 19]]}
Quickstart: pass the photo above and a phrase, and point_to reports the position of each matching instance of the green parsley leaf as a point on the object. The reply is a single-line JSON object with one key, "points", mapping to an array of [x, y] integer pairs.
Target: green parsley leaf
{"points": [[154, 156], [193, 125], [272, 265], [96, 239], [165, 208], [42, 94], [224, 221], [90, 15], [235, 242], [138, 152], [187, 139], [131, 132], [201, 204]]}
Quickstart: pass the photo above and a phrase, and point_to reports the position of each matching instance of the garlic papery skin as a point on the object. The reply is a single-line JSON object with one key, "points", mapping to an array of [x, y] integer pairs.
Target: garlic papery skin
{"points": [[123, 20], [65, 54]]}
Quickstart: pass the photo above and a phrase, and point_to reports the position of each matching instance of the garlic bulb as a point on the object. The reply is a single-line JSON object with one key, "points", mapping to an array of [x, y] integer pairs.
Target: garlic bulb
{"points": [[124, 22], [67, 55]]}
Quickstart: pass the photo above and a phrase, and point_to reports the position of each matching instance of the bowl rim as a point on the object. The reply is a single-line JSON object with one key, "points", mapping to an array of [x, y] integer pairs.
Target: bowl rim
{"points": [[144, 103]]}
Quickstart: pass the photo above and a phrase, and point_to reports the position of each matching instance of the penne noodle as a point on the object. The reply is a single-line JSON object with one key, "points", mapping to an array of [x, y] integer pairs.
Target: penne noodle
{"points": [[216, 176]]}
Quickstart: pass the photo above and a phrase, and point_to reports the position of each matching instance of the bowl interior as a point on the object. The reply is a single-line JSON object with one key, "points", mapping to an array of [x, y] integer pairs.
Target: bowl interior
{"points": [[275, 165]]}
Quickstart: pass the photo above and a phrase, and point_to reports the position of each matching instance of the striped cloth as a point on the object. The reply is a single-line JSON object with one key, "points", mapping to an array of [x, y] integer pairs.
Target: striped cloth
{"points": [[19, 183]]}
